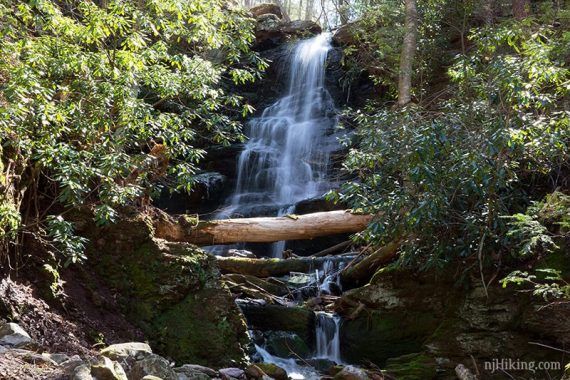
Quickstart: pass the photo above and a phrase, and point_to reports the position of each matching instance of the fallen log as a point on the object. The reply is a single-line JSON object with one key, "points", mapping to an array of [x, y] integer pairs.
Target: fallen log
{"points": [[361, 272], [272, 267], [259, 230]]}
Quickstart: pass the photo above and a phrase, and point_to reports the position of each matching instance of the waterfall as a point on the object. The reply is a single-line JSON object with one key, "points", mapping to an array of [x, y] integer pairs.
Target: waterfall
{"points": [[286, 158], [328, 337]]}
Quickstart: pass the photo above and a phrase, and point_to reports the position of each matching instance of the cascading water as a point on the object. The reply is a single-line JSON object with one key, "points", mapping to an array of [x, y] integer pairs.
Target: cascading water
{"points": [[286, 158], [328, 337]]}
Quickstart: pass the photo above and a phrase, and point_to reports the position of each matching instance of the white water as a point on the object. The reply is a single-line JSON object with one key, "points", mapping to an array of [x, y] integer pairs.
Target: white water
{"points": [[328, 337], [286, 158], [294, 370]]}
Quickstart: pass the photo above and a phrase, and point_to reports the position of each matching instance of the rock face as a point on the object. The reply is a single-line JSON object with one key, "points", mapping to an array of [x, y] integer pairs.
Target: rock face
{"points": [[413, 325], [172, 292], [274, 27], [267, 8]]}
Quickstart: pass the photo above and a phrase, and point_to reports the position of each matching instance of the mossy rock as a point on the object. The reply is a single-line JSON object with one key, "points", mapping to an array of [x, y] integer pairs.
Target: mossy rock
{"points": [[172, 291], [418, 366], [285, 344], [273, 371], [377, 336]]}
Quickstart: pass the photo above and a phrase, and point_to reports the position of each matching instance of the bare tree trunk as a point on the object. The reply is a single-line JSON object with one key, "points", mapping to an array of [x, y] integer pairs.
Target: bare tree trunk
{"points": [[259, 230], [309, 10], [408, 53], [521, 9], [268, 267], [343, 11], [361, 272], [489, 11]]}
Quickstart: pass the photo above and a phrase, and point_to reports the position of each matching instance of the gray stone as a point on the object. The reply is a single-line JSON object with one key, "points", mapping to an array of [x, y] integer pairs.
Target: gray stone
{"points": [[58, 357], [13, 335], [106, 369], [82, 372], [232, 373], [71, 364], [135, 350], [351, 373], [152, 365], [194, 372]]}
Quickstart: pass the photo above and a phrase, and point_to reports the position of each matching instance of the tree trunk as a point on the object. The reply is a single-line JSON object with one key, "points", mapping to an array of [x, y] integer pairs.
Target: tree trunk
{"points": [[488, 11], [309, 10], [520, 9], [259, 230], [361, 272], [408, 53], [272, 267]]}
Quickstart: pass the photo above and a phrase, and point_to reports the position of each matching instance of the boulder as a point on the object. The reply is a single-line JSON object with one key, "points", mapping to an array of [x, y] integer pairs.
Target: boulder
{"points": [[232, 373], [106, 369], [11, 334], [346, 34], [273, 371], [152, 365], [71, 364], [267, 8], [276, 317], [121, 351], [195, 372], [82, 372], [285, 344], [351, 373], [270, 31]]}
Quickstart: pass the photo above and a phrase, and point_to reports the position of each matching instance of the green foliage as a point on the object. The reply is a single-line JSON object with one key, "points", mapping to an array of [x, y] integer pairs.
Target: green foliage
{"points": [[64, 239], [443, 177], [546, 283], [441, 180], [89, 90]]}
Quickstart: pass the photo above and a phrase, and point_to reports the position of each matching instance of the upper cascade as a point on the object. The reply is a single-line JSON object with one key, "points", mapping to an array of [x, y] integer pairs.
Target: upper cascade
{"points": [[286, 158]]}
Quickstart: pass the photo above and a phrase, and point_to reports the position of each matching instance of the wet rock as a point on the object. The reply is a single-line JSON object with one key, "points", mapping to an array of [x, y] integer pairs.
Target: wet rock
{"points": [[11, 334], [106, 369], [241, 253], [273, 371], [195, 370], [152, 365], [321, 365], [151, 377], [351, 373], [418, 365], [82, 372], [267, 8], [254, 372], [285, 344], [280, 318], [135, 350], [232, 373]]}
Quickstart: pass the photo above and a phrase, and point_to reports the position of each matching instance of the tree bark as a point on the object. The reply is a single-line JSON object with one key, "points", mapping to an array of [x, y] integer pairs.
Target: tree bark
{"points": [[259, 230], [271, 267], [408, 53], [361, 272], [520, 9]]}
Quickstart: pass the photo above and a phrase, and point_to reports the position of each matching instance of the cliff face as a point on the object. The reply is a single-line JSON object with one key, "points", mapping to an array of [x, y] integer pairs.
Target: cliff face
{"points": [[172, 292], [413, 322]]}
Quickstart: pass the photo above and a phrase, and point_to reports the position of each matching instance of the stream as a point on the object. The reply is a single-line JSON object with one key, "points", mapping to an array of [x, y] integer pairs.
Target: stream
{"points": [[286, 160]]}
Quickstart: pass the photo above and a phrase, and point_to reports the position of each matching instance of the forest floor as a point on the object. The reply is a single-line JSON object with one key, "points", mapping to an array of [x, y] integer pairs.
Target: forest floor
{"points": [[79, 321]]}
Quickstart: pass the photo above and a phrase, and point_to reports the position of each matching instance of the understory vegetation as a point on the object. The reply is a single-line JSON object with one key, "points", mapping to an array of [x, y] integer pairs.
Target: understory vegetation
{"points": [[104, 103], [477, 169]]}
